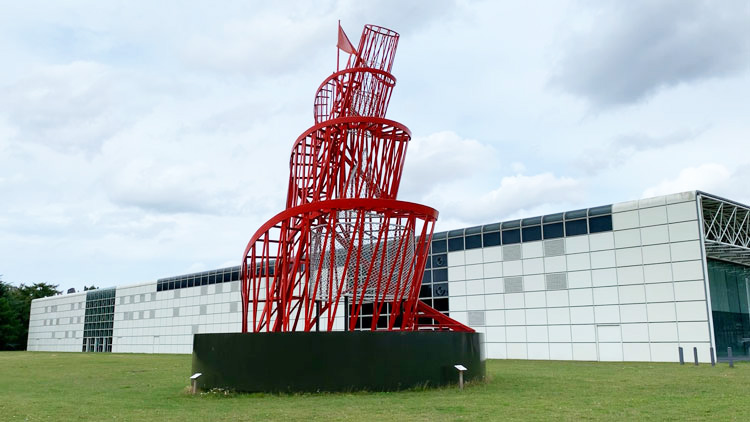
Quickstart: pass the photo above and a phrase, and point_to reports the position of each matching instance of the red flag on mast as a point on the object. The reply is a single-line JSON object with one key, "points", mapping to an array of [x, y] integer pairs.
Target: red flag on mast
{"points": [[344, 42]]}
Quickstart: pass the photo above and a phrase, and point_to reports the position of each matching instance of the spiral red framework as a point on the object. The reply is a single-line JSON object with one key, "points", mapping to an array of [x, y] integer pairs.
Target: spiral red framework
{"points": [[344, 244]]}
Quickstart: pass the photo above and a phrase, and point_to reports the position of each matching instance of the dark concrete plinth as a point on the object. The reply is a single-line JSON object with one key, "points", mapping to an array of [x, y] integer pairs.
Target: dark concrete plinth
{"points": [[335, 361]]}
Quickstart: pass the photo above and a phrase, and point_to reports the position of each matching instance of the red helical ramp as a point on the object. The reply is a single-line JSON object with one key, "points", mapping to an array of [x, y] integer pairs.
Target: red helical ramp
{"points": [[344, 245]]}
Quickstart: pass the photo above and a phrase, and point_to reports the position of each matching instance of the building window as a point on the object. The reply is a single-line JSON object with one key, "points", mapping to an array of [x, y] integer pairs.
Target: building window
{"points": [[511, 236], [455, 244], [491, 239], [553, 231], [474, 241], [576, 227], [530, 234], [600, 224]]}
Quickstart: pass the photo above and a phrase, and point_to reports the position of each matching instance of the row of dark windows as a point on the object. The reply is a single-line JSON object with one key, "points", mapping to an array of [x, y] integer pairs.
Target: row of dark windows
{"points": [[459, 240], [206, 278]]}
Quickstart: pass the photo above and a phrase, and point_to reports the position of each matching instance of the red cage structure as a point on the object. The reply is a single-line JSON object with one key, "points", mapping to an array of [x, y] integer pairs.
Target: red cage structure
{"points": [[343, 247], [344, 242]]}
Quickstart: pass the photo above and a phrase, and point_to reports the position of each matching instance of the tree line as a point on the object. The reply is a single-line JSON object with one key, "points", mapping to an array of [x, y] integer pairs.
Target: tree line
{"points": [[15, 304]]}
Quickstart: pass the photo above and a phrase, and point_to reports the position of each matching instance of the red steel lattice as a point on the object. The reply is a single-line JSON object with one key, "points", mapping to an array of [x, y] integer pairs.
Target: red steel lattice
{"points": [[344, 242]]}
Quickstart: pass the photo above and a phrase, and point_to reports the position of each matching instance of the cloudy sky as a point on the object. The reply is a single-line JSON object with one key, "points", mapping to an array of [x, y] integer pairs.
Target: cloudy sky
{"points": [[140, 140]]}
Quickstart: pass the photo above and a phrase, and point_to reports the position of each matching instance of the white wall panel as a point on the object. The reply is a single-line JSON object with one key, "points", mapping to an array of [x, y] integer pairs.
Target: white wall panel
{"points": [[652, 216], [608, 333], [516, 350], [557, 298], [492, 254], [660, 292], [512, 268], [576, 244], [654, 254], [580, 297], [633, 313], [473, 272], [561, 351], [584, 351], [475, 287], [496, 351], [610, 352], [457, 273], [605, 295], [624, 206], [692, 311], [629, 256], [635, 332], [582, 315], [583, 333], [663, 331], [536, 316], [493, 269], [515, 317], [682, 212], [679, 232], [457, 303], [601, 241], [533, 266], [603, 259], [661, 311], [554, 264], [457, 288], [532, 249], [576, 262], [687, 270], [657, 273], [495, 335], [654, 235], [625, 220], [630, 275], [684, 251], [609, 314], [475, 303], [494, 285], [627, 238], [636, 352], [559, 334], [693, 331], [533, 282], [456, 258], [558, 316], [632, 294], [536, 334], [515, 334], [690, 290], [538, 351], [535, 299], [604, 277], [473, 256], [514, 301]]}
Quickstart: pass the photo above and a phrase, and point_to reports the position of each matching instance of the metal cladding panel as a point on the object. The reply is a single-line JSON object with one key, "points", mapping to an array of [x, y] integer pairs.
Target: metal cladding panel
{"points": [[335, 361]]}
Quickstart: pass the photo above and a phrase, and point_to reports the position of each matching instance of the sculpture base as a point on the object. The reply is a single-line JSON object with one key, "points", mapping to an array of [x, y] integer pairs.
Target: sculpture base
{"points": [[335, 361]]}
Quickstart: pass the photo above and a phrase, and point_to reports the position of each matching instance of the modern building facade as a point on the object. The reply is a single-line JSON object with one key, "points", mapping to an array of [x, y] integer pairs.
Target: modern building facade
{"points": [[631, 281]]}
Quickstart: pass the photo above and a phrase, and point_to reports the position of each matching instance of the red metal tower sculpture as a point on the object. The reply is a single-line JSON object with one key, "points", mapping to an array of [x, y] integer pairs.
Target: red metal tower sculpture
{"points": [[344, 243]]}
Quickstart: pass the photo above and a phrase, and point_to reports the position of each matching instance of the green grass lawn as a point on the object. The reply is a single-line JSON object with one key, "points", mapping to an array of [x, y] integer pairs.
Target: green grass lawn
{"points": [[122, 387]]}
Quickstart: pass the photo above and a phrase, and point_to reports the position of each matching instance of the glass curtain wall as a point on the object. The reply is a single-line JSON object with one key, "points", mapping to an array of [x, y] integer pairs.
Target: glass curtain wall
{"points": [[730, 295], [99, 320]]}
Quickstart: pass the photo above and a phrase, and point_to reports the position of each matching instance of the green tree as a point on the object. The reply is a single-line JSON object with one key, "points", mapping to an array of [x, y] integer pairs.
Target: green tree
{"points": [[11, 328], [15, 305]]}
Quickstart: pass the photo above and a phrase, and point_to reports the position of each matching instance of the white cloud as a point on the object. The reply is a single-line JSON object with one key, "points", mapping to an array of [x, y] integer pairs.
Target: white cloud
{"points": [[443, 158], [710, 177]]}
